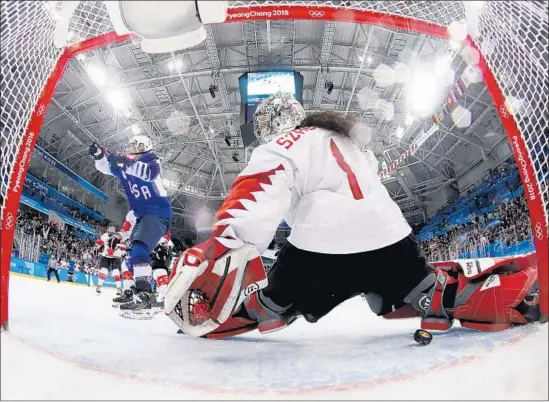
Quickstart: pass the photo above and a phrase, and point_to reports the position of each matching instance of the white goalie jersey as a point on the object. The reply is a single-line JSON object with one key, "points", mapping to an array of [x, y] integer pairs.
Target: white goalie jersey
{"points": [[322, 185]]}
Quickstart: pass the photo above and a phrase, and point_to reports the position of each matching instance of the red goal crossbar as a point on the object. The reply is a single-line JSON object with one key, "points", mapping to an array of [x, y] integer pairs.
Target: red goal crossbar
{"points": [[285, 12]]}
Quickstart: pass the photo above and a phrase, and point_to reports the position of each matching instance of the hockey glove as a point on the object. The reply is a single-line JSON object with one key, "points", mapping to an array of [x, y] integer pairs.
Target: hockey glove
{"points": [[119, 161], [95, 151], [209, 283]]}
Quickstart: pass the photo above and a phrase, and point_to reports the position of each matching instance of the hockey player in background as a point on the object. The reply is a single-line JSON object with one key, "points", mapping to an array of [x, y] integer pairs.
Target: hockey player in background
{"points": [[111, 250], [127, 270], [140, 173], [160, 262], [348, 237]]}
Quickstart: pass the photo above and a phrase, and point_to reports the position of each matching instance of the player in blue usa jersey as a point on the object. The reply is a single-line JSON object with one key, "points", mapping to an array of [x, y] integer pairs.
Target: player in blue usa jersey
{"points": [[140, 173]]}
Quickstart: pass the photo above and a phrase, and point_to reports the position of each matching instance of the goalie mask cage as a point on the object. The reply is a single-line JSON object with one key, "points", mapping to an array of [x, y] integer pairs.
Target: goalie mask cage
{"points": [[31, 67]]}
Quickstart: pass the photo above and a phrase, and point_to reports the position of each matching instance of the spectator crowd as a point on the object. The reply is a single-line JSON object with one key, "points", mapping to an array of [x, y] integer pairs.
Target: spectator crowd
{"points": [[40, 193], [491, 220], [60, 244], [493, 211]]}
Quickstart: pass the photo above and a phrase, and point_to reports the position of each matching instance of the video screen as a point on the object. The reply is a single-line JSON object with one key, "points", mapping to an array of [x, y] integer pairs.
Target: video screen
{"points": [[268, 83]]}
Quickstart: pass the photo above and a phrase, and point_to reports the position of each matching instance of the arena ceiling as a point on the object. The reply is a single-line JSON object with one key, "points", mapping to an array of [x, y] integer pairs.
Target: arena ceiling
{"points": [[110, 94]]}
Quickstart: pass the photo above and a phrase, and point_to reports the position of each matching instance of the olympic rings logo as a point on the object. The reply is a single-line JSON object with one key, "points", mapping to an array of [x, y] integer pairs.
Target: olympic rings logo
{"points": [[9, 221], [41, 109], [503, 111], [316, 14], [539, 230]]}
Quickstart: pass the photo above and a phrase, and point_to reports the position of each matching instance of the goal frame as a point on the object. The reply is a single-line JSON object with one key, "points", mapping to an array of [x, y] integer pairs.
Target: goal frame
{"points": [[283, 12]]}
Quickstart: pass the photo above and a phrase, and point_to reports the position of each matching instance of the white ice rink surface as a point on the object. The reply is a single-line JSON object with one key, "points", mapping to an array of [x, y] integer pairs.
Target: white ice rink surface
{"points": [[67, 343]]}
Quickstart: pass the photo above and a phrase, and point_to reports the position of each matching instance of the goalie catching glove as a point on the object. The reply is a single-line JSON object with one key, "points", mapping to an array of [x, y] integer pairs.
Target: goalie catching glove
{"points": [[210, 282]]}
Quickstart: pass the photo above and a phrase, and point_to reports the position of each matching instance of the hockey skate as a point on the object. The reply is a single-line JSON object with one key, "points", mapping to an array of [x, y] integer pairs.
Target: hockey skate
{"points": [[157, 303], [125, 297], [138, 309], [98, 290]]}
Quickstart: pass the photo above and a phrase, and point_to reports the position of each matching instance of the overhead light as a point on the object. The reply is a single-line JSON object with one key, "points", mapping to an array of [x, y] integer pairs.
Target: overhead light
{"points": [[212, 90], [362, 58], [136, 129], [423, 93], [235, 157], [212, 131], [227, 141], [81, 57], [399, 132], [97, 74], [118, 100], [175, 65]]}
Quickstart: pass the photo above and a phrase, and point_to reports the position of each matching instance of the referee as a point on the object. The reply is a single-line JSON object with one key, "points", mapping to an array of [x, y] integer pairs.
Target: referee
{"points": [[53, 265]]}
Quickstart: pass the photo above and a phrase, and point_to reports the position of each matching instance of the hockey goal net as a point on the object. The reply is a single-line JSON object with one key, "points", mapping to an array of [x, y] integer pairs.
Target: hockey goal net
{"points": [[511, 37]]}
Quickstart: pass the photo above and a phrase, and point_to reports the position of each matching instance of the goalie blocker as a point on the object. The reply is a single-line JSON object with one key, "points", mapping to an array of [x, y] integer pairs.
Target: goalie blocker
{"points": [[216, 292]]}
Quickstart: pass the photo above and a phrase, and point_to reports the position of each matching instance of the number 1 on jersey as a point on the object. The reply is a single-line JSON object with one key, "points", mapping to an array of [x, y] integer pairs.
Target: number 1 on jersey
{"points": [[351, 177]]}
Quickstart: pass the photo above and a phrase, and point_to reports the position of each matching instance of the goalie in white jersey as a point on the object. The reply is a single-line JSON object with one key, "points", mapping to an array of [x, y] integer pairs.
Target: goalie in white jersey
{"points": [[348, 237]]}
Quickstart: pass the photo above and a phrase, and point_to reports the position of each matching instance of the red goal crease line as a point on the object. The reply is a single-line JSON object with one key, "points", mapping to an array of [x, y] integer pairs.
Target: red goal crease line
{"points": [[286, 12]]}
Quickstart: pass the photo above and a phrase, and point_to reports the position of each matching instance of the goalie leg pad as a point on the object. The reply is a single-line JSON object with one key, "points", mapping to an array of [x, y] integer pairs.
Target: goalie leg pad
{"points": [[232, 327], [435, 317], [496, 302], [270, 316]]}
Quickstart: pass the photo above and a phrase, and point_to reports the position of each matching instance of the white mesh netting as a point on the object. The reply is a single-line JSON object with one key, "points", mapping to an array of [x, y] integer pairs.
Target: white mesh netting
{"points": [[513, 39]]}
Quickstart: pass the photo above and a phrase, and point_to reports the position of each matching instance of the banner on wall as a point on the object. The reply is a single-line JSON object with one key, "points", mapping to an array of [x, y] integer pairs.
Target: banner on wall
{"points": [[41, 185], [73, 176], [19, 266], [65, 219]]}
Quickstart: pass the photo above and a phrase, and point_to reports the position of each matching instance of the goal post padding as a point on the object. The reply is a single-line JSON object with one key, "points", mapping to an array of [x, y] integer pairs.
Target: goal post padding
{"points": [[418, 21]]}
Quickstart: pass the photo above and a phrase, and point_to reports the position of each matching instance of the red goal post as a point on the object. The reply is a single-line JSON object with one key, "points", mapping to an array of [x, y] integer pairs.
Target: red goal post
{"points": [[31, 67]]}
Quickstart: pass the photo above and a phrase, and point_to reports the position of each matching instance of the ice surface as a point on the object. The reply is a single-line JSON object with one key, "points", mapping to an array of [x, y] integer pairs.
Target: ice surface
{"points": [[65, 342]]}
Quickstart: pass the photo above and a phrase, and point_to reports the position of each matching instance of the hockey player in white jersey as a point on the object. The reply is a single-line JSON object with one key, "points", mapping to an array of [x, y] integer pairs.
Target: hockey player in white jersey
{"points": [[348, 237], [111, 250], [126, 267]]}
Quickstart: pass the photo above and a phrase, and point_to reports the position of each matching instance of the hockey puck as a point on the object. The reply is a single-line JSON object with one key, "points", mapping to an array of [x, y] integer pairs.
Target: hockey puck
{"points": [[423, 337], [180, 332]]}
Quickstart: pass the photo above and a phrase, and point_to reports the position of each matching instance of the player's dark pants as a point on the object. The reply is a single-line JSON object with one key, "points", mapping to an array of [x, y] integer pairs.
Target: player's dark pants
{"points": [[314, 283], [110, 263], [50, 270]]}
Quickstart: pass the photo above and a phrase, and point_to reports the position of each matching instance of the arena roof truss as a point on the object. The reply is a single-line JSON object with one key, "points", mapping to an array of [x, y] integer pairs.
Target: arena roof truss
{"points": [[112, 93]]}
